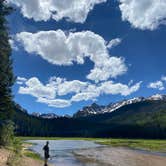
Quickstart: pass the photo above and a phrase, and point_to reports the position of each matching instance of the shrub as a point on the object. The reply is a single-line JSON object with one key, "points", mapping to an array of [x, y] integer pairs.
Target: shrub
{"points": [[6, 133]]}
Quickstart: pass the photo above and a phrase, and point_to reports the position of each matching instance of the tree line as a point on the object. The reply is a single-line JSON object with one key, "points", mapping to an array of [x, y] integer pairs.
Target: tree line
{"points": [[141, 120]]}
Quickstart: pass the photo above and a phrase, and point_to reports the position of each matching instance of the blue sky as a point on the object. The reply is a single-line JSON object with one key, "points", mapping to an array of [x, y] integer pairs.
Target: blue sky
{"points": [[99, 51]]}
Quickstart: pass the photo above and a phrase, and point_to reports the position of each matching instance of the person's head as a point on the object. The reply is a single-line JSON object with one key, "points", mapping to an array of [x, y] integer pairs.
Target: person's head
{"points": [[47, 142]]}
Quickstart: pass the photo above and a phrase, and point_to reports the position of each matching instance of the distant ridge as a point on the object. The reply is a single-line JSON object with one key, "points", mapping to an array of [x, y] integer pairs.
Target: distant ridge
{"points": [[134, 118], [95, 109]]}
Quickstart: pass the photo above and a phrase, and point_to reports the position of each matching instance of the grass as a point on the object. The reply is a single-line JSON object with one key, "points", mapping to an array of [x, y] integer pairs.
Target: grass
{"points": [[15, 155], [142, 144], [54, 138], [32, 155], [18, 151]]}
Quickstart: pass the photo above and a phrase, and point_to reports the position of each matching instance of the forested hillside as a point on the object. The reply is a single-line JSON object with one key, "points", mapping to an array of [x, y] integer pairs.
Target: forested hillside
{"points": [[138, 120]]}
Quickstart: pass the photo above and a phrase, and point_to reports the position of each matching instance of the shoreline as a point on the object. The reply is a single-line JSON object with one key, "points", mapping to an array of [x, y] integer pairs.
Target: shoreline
{"points": [[118, 156], [26, 158], [33, 156], [153, 145]]}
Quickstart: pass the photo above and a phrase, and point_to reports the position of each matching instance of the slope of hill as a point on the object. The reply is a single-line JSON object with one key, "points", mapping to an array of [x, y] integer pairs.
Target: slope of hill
{"points": [[145, 118]]}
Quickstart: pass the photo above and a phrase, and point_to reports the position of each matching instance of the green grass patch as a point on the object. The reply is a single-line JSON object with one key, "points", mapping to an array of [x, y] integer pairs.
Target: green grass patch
{"points": [[55, 138], [32, 155], [150, 145], [15, 155]]}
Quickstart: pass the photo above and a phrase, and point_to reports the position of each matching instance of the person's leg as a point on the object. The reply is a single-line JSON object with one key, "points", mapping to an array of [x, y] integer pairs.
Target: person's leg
{"points": [[45, 162]]}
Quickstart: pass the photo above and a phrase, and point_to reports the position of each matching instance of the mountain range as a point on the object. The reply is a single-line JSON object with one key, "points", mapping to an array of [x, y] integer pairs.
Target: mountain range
{"points": [[134, 118], [95, 109]]}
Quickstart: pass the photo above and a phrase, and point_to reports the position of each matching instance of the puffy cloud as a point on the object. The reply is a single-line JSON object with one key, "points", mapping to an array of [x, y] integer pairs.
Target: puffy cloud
{"points": [[56, 88], [114, 43], [117, 88], [156, 85], [43, 10], [85, 96], [74, 86], [144, 14], [74, 47], [35, 88], [59, 103], [90, 93], [112, 67]]}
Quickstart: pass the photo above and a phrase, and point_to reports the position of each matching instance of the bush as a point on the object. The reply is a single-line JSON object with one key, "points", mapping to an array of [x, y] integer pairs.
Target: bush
{"points": [[6, 133]]}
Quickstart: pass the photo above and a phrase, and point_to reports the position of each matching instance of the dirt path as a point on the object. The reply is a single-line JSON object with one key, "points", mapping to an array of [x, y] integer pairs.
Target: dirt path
{"points": [[107, 156]]}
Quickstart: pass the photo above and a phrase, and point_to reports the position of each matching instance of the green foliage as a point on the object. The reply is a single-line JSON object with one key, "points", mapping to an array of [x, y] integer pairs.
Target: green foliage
{"points": [[6, 133], [32, 155], [16, 153], [6, 79], [6, 70]]}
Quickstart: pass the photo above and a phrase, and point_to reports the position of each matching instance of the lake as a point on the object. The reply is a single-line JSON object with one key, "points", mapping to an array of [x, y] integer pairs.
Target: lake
{"points": [[61, 151]]}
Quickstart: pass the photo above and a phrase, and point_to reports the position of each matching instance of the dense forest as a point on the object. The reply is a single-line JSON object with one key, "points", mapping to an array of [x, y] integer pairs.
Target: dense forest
{"points": [[138, 120], [6, 78]]}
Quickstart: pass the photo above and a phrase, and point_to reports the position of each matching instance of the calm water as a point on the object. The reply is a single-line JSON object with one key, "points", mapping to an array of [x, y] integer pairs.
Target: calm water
{"points": [[61, 151]]}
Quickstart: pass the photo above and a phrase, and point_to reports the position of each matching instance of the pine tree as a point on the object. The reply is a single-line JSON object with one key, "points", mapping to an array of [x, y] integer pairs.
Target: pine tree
{"points": [[6, 70], [6, 79]]}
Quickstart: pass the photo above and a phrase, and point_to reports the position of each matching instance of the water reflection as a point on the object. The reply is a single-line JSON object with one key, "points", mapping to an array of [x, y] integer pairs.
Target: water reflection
{"points": [[61, 151]]}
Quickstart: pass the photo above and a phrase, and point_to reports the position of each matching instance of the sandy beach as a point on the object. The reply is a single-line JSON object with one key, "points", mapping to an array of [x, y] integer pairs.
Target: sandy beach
{"points": [[109, 156]]}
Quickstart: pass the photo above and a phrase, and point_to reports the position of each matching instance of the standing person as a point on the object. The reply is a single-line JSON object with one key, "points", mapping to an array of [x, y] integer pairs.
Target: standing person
{"points": [[46, 153]]}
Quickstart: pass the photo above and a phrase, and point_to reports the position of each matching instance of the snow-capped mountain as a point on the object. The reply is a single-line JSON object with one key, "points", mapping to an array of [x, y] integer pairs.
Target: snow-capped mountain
{"points": [[89, 110], [157, 97], [49, 115], [97, 109], [45, 116], [118, 105]]}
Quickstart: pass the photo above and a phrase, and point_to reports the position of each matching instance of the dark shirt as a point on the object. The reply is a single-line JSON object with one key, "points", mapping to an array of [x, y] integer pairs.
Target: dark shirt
{"points": [[46, 151]]}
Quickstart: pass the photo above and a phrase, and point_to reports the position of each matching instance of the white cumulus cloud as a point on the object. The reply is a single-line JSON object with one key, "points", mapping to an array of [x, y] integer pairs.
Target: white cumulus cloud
{"points": [[34, 87], [55, 90], [156, 85], [43, 10], [118, 88], [63, 49], [144, 14], [58, 103]]}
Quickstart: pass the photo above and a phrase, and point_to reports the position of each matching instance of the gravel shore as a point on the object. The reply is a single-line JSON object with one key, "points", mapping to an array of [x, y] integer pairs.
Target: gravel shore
{"points": [[110, 156]]}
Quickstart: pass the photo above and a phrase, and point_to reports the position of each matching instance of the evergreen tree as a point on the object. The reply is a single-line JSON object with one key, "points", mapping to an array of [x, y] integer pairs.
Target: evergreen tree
{"points": [[6, 78], [6, 70]]}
